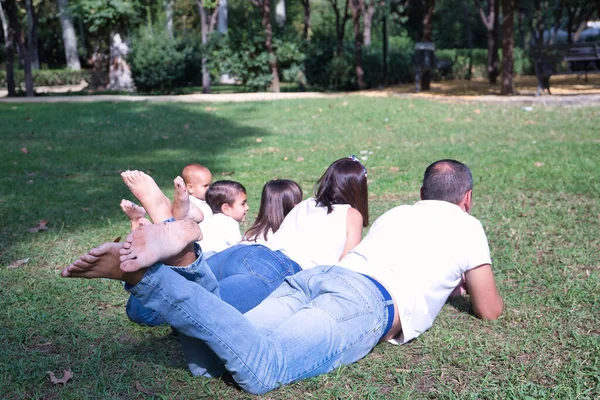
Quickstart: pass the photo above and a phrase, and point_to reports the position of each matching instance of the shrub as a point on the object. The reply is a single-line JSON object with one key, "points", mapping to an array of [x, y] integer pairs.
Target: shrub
{"points": [[157, 60], [49, 77]]}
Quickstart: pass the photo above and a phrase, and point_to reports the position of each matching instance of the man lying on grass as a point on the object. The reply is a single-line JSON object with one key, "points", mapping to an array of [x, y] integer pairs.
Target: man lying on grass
{"points": [[389, 288]]}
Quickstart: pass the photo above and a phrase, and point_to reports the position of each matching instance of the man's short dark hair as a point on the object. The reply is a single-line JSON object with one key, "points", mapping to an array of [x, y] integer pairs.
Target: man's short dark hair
{"points": [[446, 180]]}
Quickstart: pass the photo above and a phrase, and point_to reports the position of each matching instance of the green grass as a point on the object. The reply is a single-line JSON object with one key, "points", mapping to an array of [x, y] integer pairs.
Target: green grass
{"points": [[536, 192]]}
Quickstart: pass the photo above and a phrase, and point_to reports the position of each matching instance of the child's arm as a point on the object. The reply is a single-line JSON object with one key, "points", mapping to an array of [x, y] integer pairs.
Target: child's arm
{"points": [[354, 225]]}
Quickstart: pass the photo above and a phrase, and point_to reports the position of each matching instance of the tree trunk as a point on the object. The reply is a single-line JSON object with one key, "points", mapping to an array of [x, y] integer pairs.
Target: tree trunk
{"points": [[306, 21], [280, 13], [68, 34], [469, 33], [491, 25], [10, 54], [427, 37], [368, 12], [222, 23], [15, 25], [169, 16], [356, 6], [32, 39], [340, 25], [266, 22], [204, 32], [508, 44]]}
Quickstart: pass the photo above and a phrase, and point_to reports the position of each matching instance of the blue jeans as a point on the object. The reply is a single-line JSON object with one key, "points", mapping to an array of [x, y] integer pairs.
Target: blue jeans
{"points": [[316, 321], [246, 275]]}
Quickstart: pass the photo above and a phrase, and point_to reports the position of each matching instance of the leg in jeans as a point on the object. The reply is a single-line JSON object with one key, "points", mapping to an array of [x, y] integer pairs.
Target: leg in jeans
{"points": [[316, 321], [247, 274]]}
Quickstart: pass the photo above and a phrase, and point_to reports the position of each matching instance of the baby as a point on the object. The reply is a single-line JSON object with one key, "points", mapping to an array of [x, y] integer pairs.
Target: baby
{"points": [[197, 179], [221, 230]]}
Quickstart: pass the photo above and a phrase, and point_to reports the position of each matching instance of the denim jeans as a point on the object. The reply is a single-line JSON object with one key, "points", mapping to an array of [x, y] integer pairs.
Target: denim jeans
{"points": [[316, 321], [247, 274]]}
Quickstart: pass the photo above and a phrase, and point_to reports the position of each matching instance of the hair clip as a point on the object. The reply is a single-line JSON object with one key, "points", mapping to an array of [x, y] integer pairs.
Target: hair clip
{"points": [[354, 158]]}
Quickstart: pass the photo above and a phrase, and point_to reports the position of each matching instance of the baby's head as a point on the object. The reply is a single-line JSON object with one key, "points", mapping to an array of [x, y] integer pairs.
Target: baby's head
{"points": [[229, 198], [197, 179]]}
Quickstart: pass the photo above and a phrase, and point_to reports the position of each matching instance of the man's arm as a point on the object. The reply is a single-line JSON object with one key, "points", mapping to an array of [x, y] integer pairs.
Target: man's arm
{"points": [[481, 286]]}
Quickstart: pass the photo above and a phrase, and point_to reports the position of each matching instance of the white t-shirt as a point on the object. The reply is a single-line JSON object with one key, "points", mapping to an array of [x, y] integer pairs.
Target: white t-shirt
{"points": [[201, 204], [419, 252], [219, 232], [310, 236]]}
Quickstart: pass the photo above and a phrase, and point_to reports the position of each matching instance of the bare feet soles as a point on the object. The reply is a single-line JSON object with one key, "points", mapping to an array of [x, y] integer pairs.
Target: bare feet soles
{"points": [[149, 194], [133, 212], [167, 242], [101, 262], [182, 207]]}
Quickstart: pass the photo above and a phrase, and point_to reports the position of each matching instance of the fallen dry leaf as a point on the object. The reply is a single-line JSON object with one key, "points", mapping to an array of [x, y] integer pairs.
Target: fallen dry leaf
{"points": [[538, 164], [300, 159], [42, 226], [477, 111], [394, 169], [258, 140], [24, 150], [345, 103], [140, 388], [18, 263], [186, 126], [117, 240], [67, 375], [285, 158], [227, 173]]}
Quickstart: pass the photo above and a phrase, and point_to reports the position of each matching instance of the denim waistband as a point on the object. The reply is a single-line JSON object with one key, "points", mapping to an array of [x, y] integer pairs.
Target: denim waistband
{"points": [[390, 307]]}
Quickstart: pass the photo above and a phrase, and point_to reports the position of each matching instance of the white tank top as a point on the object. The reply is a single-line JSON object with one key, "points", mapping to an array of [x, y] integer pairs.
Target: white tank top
{"points": [[310, 236]]}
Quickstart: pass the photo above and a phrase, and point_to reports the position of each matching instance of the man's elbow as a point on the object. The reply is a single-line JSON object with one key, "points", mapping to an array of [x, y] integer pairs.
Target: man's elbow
{"points": [[490, 313]]}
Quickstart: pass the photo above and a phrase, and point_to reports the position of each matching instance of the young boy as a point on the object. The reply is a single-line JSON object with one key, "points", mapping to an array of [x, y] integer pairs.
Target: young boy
{"points": [[227, 200]]}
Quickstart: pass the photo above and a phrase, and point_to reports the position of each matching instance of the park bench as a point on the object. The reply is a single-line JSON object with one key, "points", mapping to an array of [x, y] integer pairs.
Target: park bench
{"points": [[424, 59], [574, 58]]}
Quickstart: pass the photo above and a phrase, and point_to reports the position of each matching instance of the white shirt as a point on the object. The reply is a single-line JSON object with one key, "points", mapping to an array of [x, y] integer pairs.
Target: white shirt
{"points": [[419, 253], [310, 236], [201, 204], [219, 232]]}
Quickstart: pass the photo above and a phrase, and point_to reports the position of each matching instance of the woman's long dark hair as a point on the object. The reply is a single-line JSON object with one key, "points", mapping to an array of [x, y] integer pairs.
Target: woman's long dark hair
{"points": [[344, 182], [278, 198]]}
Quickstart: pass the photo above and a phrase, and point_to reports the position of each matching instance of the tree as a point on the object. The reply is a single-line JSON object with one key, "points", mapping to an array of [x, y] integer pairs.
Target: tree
{"points": [[169, 16], [306, 19], [22, 49], [490, 20], [357, 6], [341, 17], [369, 8], [265, 9], [207, 27], [32, 39], [280, 16], [10, 53], [427, 37], [68, 35], [508, 44]]}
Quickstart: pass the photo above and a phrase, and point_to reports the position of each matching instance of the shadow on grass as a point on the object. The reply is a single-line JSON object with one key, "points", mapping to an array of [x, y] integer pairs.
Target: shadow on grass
{"points": [[461, 304], [61, 162]]}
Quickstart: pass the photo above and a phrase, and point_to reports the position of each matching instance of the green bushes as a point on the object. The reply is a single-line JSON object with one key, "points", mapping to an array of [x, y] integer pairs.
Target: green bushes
{"points": [[158, 61], [49, 77], [478, 60]]}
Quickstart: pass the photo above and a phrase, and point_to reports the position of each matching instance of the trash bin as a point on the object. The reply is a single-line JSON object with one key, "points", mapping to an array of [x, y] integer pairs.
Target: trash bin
{"points": [[424, 60]]}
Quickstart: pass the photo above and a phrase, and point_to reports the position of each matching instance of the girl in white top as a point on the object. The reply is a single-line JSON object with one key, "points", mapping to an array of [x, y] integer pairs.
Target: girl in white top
{"points": [[278, 198], [318, 231]]}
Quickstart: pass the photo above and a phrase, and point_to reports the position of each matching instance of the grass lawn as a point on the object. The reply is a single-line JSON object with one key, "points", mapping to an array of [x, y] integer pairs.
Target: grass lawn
{"points": [[536, 192]]}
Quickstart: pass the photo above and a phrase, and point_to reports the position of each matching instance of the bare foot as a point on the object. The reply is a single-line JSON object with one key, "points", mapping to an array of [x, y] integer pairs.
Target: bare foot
{"points": [[182, 207], [133, 212], [101, 262], [149, 194], [170, 242]]}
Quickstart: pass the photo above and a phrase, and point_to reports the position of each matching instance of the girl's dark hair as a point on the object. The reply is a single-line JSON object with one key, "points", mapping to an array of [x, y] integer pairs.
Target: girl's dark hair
{"points": [[344, 182], [278, 198], [223, 192]]}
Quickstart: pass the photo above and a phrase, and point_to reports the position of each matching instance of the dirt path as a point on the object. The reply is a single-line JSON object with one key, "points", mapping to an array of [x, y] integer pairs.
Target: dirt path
{"points": [[567, 91]]}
